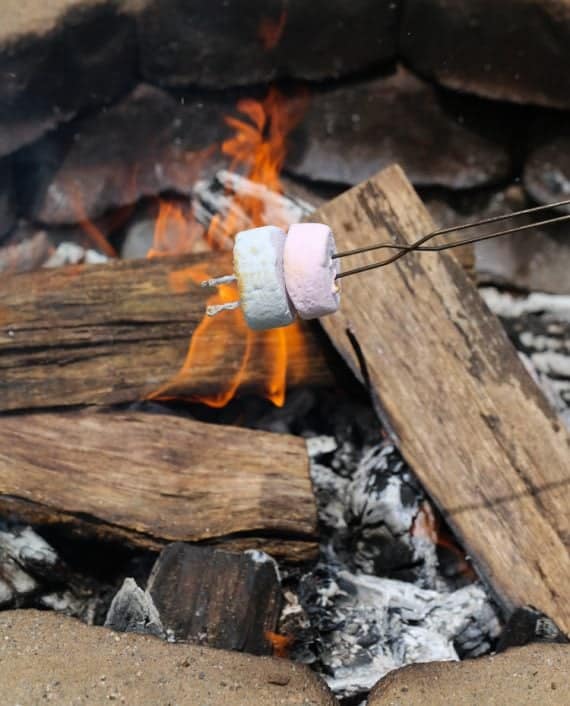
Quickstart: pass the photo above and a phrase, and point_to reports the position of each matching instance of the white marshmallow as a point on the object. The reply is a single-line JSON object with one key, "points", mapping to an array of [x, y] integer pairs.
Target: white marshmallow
{"points": [[310, 270], [258, 265]]}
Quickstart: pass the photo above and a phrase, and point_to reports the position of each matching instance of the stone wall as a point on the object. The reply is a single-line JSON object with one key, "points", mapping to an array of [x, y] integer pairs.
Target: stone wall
{"points": [[103, 102]]}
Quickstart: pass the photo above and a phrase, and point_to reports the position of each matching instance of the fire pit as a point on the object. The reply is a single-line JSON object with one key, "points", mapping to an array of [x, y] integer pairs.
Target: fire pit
{"points": [[385, 487]]}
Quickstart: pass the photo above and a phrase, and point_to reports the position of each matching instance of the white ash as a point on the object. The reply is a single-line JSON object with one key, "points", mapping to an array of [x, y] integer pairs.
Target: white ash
{"points": [[24, 558], [32, 575], [371, 511], [69, 253], [369, 625], [72, 604], [363, 621], [539, 326], [384, 501], [510, 306]]}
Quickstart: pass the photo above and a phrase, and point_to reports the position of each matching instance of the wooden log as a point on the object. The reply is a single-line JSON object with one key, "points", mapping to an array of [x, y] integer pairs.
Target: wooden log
{"points": [[217, 598], [456, 398], [121, 331], [154, 479]]}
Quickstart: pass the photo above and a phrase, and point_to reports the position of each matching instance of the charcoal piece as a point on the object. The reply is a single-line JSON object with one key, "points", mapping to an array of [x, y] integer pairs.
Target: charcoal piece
{"points": [[133, 610], [510, 50], [184, 42], [147, 143], [528, 625], [57, 58], [351, 131], [217, 598]]}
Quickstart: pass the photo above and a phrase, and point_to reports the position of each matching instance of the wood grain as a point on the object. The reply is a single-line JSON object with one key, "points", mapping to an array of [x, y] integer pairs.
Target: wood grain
{"points": [[456, 398], [119, 332], [152, 479]]}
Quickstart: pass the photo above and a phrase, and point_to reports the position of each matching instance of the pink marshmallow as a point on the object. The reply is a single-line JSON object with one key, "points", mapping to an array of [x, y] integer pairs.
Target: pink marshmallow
{"points": [[310, 270]]}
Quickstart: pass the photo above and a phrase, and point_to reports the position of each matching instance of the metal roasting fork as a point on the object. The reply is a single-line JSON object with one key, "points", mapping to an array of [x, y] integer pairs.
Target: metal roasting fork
{"points": [[419, 244]]}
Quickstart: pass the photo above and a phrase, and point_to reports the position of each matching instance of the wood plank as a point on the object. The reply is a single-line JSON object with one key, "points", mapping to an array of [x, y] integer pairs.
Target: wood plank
{"points": [[217, 598], [119, 332], [459, 403], [153, 479]]}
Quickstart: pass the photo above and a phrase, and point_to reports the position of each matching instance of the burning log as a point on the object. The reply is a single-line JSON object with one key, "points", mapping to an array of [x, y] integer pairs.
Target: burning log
{"points": [[457, 399], [120, 332], [217, 598], [154, 479]]}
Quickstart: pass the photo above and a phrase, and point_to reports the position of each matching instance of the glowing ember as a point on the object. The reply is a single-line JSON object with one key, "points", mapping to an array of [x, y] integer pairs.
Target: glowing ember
{"points": [[427, 525], [258, 149], [280, 644]]}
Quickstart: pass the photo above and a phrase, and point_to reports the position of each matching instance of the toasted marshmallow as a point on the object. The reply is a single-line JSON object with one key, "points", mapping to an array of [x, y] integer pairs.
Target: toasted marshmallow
{"points": [[310, 270], [258, 266]]}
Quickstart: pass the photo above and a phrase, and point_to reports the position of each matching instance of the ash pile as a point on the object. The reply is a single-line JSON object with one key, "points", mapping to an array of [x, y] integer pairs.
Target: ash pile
{"points": [[391, 587]]}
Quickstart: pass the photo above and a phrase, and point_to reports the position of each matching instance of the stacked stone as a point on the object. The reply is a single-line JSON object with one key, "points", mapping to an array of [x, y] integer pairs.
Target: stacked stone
{"points": [[103, 102]]}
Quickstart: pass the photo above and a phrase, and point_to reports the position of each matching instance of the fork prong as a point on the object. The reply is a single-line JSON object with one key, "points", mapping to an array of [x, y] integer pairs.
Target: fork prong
{"points": [[217, 281], [451, 229]]}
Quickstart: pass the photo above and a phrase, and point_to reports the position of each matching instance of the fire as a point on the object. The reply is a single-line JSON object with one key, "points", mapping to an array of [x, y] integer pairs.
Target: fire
{"points": [[258, 147], [257, 150], [91, 230], [174, 231]]}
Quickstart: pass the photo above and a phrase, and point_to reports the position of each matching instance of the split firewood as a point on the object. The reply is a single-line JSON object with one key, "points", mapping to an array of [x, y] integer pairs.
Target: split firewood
{"points": [[121, 331], [217, 598], [154, 479], [465, 413]]}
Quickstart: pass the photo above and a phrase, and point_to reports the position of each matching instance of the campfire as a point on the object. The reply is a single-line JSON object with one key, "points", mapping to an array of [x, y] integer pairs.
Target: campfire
{"points": [[257, 404]]}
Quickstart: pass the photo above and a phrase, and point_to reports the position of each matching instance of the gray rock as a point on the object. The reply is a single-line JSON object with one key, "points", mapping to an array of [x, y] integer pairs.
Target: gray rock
{"points": [[547, 167], [47, 657], [525, 676], [536, 259], [188, 42], [510, 50], [147, 143], [58, 57], [352, 131]]}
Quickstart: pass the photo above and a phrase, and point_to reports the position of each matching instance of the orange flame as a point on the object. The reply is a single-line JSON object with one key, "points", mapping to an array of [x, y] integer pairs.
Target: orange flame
{"points": [[95, 234], [258, 147], [174, 232]]}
